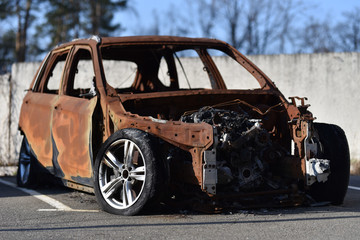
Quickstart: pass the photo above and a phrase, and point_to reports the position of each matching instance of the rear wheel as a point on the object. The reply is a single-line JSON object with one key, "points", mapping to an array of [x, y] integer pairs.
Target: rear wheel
{"points": [[127, 173], [334, 148], [26, 174]]}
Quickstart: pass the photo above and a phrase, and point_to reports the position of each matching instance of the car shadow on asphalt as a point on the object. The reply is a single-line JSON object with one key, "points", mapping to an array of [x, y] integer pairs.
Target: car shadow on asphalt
{"points": [[53, 188]]}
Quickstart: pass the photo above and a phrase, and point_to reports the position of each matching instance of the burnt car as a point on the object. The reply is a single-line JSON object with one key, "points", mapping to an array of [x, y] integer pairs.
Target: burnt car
{"points": [[143, 120]]}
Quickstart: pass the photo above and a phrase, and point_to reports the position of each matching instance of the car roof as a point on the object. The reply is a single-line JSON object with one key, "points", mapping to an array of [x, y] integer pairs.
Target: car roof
{"points": [[159, 39], [140, 40]]}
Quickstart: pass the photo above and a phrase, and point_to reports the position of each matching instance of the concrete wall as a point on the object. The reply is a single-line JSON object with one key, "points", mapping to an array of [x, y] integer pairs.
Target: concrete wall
{"points": [[4, 119], [21, 77], [12, 91], [330, 81]]}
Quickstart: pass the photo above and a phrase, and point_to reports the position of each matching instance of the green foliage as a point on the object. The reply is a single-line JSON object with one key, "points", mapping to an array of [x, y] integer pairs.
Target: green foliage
{"points": [[66, 20], [6, 8], [61, 22], [98, 15], [7, 51]]}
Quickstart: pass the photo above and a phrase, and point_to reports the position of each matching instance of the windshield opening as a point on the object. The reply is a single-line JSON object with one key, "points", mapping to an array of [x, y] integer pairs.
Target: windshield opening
{"points": [[167, 68]]}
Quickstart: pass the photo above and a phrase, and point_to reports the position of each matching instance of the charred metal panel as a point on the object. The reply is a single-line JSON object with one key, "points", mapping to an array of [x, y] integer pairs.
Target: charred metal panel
{"points": [[56, 170], [183, 135], [77, 186], [35, 122], [71, 128]]}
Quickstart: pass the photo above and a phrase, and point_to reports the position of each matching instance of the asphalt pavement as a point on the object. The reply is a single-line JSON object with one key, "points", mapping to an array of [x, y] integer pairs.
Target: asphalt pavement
{"points": [[59, 213]]}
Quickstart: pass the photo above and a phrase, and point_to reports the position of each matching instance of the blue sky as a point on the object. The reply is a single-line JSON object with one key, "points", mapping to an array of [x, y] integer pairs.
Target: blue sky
{"points": [[332, 9], [335, 7], [140, 23]]}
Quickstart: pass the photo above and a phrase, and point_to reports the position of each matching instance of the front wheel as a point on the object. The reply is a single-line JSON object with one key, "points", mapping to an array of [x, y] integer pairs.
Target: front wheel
{"points": [[127, 173], [334, 148]]}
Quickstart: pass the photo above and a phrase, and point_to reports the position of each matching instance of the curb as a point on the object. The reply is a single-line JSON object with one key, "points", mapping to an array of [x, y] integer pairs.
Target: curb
{"points": [[8, 171]]}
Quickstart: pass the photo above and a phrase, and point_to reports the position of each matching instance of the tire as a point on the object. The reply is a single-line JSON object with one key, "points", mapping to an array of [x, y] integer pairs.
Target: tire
{"points": [[334, 148], [26, 174], [127, 174]]}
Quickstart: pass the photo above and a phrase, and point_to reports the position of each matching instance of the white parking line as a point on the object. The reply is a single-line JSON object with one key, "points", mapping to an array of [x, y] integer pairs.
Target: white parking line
{"points": [[354, 188], [58, 206]]}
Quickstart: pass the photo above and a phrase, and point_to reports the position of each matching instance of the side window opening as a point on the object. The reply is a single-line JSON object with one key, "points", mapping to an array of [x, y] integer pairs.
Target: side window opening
{"points": [[120, 74], [44, 64], [188, 63], [54, 77], [135, 71], [140, 69], [164, 74], [81, 82], [233, 73]]}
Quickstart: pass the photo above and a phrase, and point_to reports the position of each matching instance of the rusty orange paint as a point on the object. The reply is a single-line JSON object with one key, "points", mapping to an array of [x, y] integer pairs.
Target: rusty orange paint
{"points": [[35, 122], [71, 131]]}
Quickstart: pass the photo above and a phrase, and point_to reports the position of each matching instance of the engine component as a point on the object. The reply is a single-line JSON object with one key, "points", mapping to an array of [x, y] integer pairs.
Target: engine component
{"points": [[210, 171], [317, 170], [240, 148]]}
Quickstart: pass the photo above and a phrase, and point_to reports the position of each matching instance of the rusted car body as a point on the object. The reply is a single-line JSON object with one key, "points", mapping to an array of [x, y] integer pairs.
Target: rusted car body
{"points": [[216, 146]]}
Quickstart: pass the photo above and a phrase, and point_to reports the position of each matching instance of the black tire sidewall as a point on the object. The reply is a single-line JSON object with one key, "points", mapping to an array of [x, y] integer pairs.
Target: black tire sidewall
{"points": [[335, 149]]}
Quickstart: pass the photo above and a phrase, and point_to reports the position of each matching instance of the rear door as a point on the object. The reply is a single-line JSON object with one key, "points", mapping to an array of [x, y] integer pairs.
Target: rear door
{"points": [[39, 104]]}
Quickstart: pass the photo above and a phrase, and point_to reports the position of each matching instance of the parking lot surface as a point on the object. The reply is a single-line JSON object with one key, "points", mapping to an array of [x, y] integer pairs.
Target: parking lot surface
{"points": [[55, 212]]}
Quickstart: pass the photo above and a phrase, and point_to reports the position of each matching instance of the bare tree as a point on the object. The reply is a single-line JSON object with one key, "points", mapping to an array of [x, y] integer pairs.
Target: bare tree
{"points": [[231, 11], [316, 37], [101, 14], [176, 22], [257, 26], [208, 14], [290, 12], [251, 35], [155, 28], [23, 15], [348, 31]]}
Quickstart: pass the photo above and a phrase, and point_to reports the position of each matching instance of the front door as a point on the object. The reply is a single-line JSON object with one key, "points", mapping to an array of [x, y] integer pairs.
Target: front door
{"points": [[72, 120]]}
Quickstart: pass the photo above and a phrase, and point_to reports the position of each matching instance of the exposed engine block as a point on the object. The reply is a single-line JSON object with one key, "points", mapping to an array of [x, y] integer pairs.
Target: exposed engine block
{"points": [[240, 147]]}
